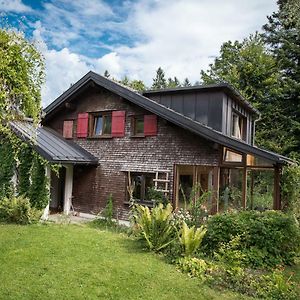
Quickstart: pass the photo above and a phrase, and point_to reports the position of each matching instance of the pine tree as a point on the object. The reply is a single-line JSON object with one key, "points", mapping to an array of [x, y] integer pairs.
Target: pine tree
{"points": [[186, 82], [159, 82], [282, 34]]}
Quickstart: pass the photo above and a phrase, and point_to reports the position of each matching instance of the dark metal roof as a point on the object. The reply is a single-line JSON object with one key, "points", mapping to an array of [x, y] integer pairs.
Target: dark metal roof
{"points": [[165, 113], [52, 146], [227, 88]]}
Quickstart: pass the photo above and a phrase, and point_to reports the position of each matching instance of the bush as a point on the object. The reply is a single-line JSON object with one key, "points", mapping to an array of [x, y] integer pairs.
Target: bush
{"points": [[267, 238], [154, 226], [18, 210]]}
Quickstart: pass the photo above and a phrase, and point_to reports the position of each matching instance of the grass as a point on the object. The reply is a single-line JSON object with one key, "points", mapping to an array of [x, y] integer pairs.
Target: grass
{"points": [[79, 262]]}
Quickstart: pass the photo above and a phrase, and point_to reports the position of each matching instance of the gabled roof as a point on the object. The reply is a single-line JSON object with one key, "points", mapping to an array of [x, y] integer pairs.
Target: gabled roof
{"points": [[165, 113], [50, 145], [223, 86]]}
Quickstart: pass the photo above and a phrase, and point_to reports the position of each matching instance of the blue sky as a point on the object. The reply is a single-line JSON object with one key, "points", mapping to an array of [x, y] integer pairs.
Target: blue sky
{"points": [[131, 38]]}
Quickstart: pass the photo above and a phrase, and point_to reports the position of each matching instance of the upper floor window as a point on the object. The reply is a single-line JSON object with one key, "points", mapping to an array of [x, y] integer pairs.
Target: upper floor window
{"points": [[138, 126], [101, 124], [238, 126], [144, 125]]}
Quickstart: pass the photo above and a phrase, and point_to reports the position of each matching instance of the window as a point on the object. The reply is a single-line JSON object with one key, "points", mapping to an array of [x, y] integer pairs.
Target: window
{"points": [[101, 124], [238, 126], [232, 156], [144, 125], [143, 183], [138, 126]]}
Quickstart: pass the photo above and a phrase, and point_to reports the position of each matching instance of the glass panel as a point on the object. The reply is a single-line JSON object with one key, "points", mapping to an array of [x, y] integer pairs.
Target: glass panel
{"points": [[107, 124], [143, 182], [260, 189], [98, 125], [139, 125], [231, 156], [257, 161], [230, 189], [236, 126]]}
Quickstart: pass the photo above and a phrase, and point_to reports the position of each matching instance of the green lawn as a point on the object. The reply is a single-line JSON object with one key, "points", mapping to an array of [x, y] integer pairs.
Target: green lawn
{"points": [[79, 262]]}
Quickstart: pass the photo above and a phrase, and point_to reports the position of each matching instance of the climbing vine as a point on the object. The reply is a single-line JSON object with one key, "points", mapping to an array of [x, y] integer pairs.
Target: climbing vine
{"points": [[6, 168], [24, 170], [39, 191]]}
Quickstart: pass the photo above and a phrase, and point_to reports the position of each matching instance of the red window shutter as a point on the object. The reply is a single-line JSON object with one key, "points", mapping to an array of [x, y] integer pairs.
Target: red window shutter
{"points": [[150, 125], [118, 124], [68, 129], [82, 125]]}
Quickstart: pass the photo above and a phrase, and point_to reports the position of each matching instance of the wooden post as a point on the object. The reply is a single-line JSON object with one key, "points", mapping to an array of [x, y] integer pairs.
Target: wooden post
{"points": [[252, 190], [47, 208], [244, 188], [215, 194], [276, 194]]}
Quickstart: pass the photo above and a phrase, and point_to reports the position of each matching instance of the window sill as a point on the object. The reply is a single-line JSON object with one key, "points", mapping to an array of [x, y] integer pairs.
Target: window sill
{"points": [[137, 136], [100, 137]]}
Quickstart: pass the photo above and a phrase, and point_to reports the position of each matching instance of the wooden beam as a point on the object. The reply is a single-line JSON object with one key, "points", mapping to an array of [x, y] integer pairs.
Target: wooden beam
{"points": [[215, 194], [277, 194], [244, 188]]}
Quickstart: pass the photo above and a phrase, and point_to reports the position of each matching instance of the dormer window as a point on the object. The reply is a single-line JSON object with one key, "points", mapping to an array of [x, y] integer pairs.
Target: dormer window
{"points": [[238, 126]]}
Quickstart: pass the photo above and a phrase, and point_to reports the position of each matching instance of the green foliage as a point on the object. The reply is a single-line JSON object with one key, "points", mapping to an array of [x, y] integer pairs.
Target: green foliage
{"points": [[6, 168], [108, 211], [266, 238], [155, 225], [24, 170], [173, 83], [282, 35], [290, 190], [21, 76], [159, 82], [191, 238], [39, 192], [157, 196], [18, 210], [271, 285], [194, 267]]}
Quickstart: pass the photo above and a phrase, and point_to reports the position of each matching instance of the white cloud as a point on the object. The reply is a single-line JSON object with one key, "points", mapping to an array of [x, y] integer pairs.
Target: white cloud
{"points": [[181, 36], [14, 6]]}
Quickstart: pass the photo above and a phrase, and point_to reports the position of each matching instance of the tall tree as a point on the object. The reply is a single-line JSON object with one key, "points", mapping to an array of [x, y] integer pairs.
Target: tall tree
{"points": [[159, 82], [21, 77], [282, 34], [252, 69]]}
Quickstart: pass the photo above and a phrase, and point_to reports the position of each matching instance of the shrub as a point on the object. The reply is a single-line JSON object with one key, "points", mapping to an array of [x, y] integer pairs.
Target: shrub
{"points": [[18, 210], [155, 225], [190, 238], [266, 238], [246, 281]]}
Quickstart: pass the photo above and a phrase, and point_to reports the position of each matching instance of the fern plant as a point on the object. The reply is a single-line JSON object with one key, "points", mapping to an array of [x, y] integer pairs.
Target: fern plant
{"points": [[155, 225], [191, 238]]}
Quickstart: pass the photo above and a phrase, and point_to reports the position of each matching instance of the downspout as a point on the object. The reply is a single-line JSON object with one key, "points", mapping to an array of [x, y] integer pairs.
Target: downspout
{"points": [[253, 129]]}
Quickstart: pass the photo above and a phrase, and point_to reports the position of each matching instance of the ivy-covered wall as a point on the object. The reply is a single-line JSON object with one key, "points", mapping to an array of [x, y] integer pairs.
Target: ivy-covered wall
{"points": [[30, 170]]}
